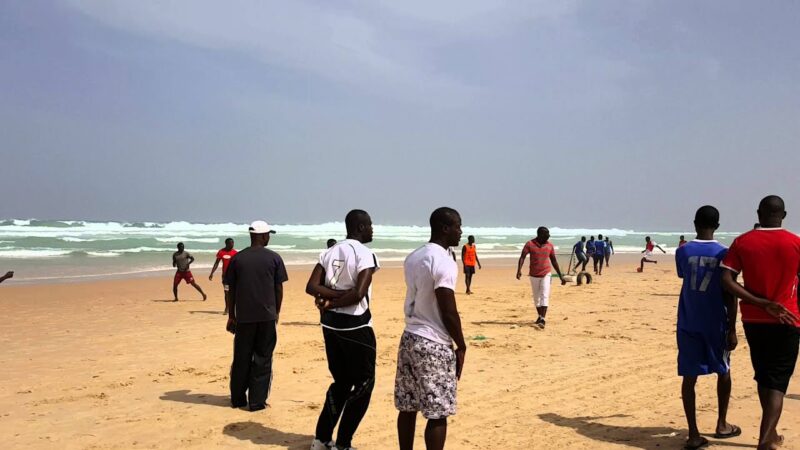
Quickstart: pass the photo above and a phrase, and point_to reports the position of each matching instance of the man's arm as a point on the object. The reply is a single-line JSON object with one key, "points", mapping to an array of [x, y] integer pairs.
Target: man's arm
{"points": [[446, 299], [732, 308], [478, 260], [463, 252], [659, 247], [174, 261], [214, 269], [191, 259], [352, 296], [9, 274], [554, 262], [316, 285], [776, 310], [521, 262], [278, 299], [230, 280]]}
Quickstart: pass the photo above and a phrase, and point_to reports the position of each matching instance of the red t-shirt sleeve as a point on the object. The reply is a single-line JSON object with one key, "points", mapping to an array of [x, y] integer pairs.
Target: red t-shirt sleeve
{"points": [[526, 249], [733, 260], [219, 254], [552, 249]]}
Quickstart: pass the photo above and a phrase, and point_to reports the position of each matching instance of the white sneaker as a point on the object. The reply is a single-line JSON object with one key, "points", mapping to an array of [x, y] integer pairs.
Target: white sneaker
{"points": [[319, 445]]}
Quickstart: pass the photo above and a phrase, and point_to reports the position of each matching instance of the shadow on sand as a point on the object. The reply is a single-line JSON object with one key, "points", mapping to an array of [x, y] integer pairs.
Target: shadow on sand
{"points": [[793, 396], [647, 438], [300, 324], [218, 313], [183, 396], [261, 435], [519, 323]]}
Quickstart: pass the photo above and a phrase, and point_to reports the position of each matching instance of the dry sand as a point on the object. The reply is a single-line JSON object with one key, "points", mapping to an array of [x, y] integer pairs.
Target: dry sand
{"points": [[114, 364]]}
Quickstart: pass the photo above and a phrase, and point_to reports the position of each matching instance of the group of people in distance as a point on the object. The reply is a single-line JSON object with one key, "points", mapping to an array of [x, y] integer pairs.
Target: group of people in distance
{"points": [[768, 258], [432, 349], [599, 251]]}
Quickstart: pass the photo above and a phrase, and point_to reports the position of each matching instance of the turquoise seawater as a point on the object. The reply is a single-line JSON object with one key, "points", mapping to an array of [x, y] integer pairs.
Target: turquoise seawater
{"points": [[39, 250]]}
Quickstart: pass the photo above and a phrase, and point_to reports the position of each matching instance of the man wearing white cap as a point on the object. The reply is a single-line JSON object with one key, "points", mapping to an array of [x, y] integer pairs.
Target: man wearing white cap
{"points": [[255, 277]]}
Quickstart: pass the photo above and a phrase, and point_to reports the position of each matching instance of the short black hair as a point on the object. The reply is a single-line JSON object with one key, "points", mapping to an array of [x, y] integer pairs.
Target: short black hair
{"points": [[355, 218], [442, 217], [471, 237], [583, 238], [771, 205], [228, 240], [599, 236], [706, 217], [179, 244], [330, 243]]}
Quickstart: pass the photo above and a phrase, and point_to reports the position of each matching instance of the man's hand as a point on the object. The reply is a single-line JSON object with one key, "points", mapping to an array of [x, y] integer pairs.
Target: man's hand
{"points": [[210, 277], [732, 340], [780, 312], [323, 304], [519, 274], [461, 353], [231, 326], [9, 274], [563, 281], [479, 266]]}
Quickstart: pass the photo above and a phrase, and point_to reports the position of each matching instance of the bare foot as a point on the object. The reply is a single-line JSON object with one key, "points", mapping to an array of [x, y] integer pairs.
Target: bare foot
{"points": [[205, 297]]}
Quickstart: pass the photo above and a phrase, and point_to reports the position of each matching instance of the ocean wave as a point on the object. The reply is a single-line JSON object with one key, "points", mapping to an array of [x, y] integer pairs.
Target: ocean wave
{"points": [[34, 253], [176, 239], [104, 254]]}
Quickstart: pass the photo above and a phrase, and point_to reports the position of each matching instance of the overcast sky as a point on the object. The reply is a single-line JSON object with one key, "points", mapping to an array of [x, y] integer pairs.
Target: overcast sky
{"points": [[626, 114]]}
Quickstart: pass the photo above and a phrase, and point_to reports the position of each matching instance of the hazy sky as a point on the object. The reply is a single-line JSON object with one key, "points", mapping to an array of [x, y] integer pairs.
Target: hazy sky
{"points": [[628, 114]]}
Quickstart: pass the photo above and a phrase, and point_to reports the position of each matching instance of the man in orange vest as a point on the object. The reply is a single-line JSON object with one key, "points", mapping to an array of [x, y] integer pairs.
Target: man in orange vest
{"points": [[469, 256]]}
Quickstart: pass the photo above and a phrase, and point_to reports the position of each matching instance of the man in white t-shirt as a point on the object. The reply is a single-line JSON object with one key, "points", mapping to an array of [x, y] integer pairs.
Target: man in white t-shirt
{"points": [[427, 365], [342, 288]]}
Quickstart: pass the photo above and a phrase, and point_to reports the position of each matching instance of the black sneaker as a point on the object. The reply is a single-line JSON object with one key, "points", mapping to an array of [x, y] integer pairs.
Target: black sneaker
{"points": [[539, 321], [541, 324]]}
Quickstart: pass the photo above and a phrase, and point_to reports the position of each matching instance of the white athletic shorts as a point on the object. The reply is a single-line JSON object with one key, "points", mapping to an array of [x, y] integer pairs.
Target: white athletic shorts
{"points": [[540, 288], [648, 254]]}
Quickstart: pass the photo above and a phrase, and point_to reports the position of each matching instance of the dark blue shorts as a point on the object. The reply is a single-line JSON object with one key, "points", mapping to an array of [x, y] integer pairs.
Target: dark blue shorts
{"points": [[702, 354]]}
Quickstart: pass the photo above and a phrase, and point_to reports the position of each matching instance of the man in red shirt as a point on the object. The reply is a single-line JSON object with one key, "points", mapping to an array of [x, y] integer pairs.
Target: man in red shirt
{"points": [[543, 255], [224, 255], [769, 260]]}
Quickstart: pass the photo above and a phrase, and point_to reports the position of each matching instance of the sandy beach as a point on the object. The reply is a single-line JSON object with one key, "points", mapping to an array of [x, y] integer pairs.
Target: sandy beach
{"points": [[115, 364]]}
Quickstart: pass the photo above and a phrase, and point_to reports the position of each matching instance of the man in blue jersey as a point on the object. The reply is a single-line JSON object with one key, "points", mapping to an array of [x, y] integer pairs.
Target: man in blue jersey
{"points": [[706, 324], [580, 254], [599, 254]]}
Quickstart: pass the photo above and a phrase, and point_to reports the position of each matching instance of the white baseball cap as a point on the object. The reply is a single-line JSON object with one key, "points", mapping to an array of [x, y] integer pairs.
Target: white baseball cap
{"points": [[260, 227]]}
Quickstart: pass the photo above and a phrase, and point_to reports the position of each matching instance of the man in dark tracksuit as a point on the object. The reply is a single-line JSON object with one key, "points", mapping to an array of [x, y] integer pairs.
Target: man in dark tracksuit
{"points": [[255, 277]]}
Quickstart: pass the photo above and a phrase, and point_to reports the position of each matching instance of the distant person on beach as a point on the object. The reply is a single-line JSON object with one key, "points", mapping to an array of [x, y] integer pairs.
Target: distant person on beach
{"points": [[648, 253], [341, 284], [428, 368], [599, 254], [609, 250], [330, 243], [224, 254], [182, 260], [255, 279], [768, 259], [681, 242], [543, 259], [580, 254], [9, 274], [469, 256], [706, 331]]}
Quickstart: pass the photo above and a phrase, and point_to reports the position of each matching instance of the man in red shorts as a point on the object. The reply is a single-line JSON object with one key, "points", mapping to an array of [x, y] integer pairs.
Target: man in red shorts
{"points": [[182, 260], [224, 255], [769, 260]]}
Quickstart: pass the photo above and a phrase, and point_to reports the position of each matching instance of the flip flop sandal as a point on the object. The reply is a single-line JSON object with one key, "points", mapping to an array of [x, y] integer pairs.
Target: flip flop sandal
{"points": [[735, 431], [703, 444]]}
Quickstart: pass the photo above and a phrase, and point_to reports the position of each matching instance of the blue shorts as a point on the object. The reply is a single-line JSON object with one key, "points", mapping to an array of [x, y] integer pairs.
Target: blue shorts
{"points": [[702, 354]]}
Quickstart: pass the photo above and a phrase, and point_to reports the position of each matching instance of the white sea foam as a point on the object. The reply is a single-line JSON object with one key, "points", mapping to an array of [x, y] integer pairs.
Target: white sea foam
{"points": [[104, 254], [34, 253]]}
